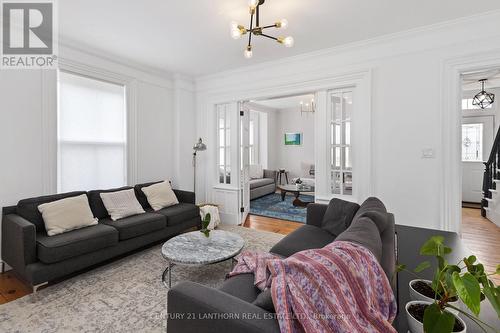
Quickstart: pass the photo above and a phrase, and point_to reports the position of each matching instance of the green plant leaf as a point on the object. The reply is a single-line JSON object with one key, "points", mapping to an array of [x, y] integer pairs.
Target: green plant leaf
{"points": [[468, 290], [442, 263], [498, 270], [492, 293], [471, 259], [437, 321], [422, 266], [400, 268], [432, 246]]}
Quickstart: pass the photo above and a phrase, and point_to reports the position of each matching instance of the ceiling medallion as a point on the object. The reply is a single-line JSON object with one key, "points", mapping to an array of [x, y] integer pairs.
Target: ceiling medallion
{"points": [[237, 30], [483, 99]]}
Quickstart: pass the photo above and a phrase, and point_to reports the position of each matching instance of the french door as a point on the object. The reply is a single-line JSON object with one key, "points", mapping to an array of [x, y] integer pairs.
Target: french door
{"points": [[244, 161]]}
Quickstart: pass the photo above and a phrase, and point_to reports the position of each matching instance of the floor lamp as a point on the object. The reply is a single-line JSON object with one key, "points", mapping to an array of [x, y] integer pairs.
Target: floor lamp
{"points": [[199, 146]]}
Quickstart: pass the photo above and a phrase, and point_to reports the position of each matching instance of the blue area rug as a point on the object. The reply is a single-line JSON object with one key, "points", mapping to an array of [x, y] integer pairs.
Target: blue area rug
{"points": [[272, 206]]}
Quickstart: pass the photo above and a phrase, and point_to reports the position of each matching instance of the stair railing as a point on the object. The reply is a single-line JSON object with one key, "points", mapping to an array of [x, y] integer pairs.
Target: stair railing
{"points": [[491, 173]]}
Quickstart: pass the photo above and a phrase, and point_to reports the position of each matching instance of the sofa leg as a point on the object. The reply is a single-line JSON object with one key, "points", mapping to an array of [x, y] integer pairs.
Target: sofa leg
{"points": [[3, 267], [35, 296]]}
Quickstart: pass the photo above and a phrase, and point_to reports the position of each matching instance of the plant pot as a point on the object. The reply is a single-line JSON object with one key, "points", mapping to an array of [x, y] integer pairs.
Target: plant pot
{"points": [[416, 326], [417, 296]]}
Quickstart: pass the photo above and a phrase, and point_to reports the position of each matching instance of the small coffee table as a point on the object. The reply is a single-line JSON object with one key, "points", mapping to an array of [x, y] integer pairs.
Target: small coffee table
{"points": [[194, 248], [296, 192]]}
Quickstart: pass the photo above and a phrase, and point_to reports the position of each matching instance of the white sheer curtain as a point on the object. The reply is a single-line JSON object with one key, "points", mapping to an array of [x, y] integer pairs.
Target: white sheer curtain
{"points": [[92, 135]]}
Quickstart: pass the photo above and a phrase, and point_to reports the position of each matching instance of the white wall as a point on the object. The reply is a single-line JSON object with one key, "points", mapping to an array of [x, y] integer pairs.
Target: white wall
{"points": [[295, 159], [406, 103], [28, 125]]}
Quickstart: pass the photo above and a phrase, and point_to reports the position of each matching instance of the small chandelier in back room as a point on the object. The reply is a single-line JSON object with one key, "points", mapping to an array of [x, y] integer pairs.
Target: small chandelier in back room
{"points": [[237, 30], [483, 99]]}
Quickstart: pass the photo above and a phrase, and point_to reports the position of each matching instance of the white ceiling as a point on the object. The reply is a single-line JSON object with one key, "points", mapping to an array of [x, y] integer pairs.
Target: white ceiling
{"points": [[192, 36], [471, 80], [292, 102]]}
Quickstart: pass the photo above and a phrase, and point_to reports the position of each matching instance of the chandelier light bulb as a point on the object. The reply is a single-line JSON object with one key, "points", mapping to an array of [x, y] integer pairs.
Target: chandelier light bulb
{"points": [[248, 52], [236, 33], [288, 41], [283, 24], [253, 4], [234, 25]]}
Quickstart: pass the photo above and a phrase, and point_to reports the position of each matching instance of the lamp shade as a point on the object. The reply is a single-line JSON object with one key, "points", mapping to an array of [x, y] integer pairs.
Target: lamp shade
{"points": [[200, 146]]}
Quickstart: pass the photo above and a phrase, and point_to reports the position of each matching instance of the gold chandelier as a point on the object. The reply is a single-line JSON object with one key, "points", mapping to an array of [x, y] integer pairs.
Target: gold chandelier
{"points": [[238, 30]]}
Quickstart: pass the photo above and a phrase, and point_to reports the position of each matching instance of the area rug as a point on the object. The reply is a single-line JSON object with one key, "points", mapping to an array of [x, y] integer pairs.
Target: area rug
{"points": [[124, 296], [272, 206]]}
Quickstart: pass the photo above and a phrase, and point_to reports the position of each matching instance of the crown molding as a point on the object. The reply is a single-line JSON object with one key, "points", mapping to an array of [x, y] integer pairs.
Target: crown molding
{"points": [[389, 39]]}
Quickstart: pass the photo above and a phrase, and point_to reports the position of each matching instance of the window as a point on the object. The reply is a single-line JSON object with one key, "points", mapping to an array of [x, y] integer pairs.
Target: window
{"points": [[224, 139], [467, 105], [340, 142], [92, 135], [472, 142]]}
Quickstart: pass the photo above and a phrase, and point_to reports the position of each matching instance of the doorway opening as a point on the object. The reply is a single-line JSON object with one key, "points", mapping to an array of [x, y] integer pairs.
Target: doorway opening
{"points": [[479, 157], [281, 156]]}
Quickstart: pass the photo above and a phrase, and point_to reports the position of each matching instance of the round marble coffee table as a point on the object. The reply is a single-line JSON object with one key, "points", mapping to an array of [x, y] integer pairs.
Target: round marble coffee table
{"points": [[194, 248]]}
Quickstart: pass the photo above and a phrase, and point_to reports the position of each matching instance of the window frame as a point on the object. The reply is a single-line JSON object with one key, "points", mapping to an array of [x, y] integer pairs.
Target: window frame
{"points": [[223, 114]]}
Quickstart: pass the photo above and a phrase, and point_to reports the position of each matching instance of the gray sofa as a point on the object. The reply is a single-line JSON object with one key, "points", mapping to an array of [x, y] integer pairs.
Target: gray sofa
{"points": [[260, 187], [235, 307], [38, 258]]}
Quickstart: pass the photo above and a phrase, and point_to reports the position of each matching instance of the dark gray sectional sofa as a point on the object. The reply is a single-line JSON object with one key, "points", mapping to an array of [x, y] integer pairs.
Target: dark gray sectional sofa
{"points": [[238, 306], [38, 258]]}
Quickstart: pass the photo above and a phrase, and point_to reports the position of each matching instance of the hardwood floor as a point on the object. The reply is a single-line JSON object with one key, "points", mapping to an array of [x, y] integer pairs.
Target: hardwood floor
{"points": [[480, 235], [270, 224]]}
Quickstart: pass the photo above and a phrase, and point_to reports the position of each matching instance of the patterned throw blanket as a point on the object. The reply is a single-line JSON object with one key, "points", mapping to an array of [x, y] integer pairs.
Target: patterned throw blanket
{"points": [[339, 288]]}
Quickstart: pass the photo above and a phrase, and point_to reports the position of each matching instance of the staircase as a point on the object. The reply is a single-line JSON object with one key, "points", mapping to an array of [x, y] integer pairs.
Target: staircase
{"points": [[490, 205]]}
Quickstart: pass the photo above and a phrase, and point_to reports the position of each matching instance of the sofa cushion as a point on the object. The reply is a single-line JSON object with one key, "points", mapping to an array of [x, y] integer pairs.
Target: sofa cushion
{"points": [[96, 203], [338, 216], [160, 195], [141, 196], [241, 286], [254, 183], [67, 214], [28, 208], [137, 225], [265, 301], [52, 249], [180, 213], [304, 238]]}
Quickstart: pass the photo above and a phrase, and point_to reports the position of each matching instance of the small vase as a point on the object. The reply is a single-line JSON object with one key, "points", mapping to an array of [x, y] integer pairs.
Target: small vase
{"points": [[416, 326]]}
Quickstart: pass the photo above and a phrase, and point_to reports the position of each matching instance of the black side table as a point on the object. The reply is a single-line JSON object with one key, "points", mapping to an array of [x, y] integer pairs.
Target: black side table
{"points": [[281, 173]]}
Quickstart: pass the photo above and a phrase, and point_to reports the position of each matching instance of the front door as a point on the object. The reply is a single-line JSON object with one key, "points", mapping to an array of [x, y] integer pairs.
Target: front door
{"points": [[477, 140]]}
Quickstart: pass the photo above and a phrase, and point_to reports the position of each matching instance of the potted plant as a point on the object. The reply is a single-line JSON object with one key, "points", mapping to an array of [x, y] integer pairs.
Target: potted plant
{"points": [[465, 280], [204, 225]]}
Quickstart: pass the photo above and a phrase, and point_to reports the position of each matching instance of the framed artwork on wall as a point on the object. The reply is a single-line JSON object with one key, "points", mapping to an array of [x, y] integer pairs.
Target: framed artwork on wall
{"points": [[293, 139]]}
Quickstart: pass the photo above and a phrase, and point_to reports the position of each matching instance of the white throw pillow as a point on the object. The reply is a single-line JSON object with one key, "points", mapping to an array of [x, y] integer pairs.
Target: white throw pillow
{"points": [[160, 195], [67, 214], [255, 171], [121, 204]]}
